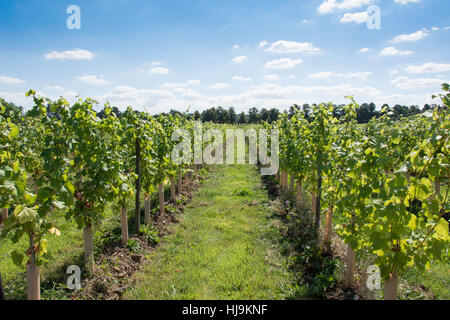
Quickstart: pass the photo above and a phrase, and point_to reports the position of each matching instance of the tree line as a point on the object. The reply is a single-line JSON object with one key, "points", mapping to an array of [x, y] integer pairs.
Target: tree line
{"points": [[365, 112]]}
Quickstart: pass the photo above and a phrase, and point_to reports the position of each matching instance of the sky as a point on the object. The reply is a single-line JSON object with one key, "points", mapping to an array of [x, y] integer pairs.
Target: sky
{"points": [[157, 55]]}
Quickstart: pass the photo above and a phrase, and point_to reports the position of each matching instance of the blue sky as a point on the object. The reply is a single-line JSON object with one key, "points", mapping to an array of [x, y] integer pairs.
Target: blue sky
{"points": [[162, 54]]}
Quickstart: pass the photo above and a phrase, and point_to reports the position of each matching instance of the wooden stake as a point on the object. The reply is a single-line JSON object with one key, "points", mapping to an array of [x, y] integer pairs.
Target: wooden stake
{"points": [[33, 282], [284, 179], [4, 216], [124, 223], [172, 189], [437, 187], [313, 203], [180, 183], [161, 197], [147, 209], [88, 246], [137, 202], [33, 279], [292, 185], [299, 198], [328, 229], [391, 287], [350, 269], [2, 291]]}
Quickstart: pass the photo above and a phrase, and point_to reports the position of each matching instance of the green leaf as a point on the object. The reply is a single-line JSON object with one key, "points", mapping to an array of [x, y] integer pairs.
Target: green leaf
{"points": [[17, 257], [25, 215]]}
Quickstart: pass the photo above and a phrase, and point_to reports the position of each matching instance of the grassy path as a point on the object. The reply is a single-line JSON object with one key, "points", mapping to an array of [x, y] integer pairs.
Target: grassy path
{"points": [[225, 246]]}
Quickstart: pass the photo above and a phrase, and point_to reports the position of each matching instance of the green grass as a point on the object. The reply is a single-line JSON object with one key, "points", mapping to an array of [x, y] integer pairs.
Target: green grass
{"points": [[223, 248], [63, 251]]}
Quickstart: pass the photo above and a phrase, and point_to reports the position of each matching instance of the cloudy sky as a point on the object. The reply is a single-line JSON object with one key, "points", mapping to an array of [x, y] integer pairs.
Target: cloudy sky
{"points": [[162, 54]]}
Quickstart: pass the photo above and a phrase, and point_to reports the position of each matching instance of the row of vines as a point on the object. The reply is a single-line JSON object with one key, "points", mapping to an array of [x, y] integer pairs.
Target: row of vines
{"points": [[62, 159], [389, 180]]}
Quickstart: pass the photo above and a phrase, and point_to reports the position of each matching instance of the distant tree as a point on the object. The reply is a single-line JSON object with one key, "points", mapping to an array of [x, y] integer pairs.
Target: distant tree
{"points": [[413, 110], [426, 107], [274, 114], [306, 110], [264, 114], [253, 115], [232, 116], [209, 115], [338, 111], [196, 116], [222, 115], [242, 118], [293, 110], [11, 110], [400, 111], [366, 112]]}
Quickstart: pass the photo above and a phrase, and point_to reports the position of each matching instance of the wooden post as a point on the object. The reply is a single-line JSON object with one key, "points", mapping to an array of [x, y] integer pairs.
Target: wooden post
{"points": [[4, 216], [292, 184], [284, 179], [147, 209], [299, 198], [328, 229], [137, 203], [313, 203], [2, 291], [172, 189], [88, 246], [350, 269], [319, 193], [124, 223], [33, 279], [180, 183], [391, 287], [437, 186], [161, 197]]}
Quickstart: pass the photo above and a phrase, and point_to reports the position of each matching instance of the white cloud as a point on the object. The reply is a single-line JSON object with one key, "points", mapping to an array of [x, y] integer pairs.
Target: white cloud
{"points": [[405, 83], [329, 6], [429, 67], [54, 88], [10, 80], [363, 50], [329, 74], [447, 28], [283, 47], [239, 78], [282, 64], [93, 80], [305, 21], [155, 63], [357, 17], [126, 95], [236, 46], [435, 29], [392, 51], [194, 82], [220, 86], [77, 54], [406, 1], [262, 44], [159, 70], [415, 36], [272, 77], [324, 75], [172, 85], [360, 75], [239, 59], [179, 86]]}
